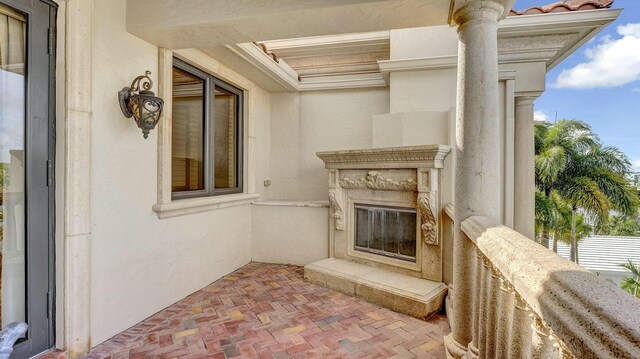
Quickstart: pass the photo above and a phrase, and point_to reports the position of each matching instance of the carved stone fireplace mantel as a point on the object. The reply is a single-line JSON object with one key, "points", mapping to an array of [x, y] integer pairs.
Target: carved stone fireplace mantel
{"points": [[397, 176], [385, 211]]}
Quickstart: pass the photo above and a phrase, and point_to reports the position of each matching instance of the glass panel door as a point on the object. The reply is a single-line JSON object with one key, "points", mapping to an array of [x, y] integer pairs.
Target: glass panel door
{"points": [[12, 167], [27, 148]]}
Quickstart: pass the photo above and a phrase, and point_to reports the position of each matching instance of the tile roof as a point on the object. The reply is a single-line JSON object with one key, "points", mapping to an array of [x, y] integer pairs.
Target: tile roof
{"points": [[564, 6]]}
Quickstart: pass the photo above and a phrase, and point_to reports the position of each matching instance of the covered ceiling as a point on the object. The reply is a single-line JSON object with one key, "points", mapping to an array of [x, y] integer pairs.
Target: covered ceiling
{"points": [[176, 24]]}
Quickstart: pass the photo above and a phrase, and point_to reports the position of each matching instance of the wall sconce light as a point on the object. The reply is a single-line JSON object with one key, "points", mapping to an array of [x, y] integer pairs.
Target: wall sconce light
{"points": [[143, 104]]}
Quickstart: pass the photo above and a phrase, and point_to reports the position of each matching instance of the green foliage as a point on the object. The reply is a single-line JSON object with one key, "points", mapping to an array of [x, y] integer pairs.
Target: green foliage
{"points": [[581, 179], [632, 284], [3, 175], [619, 225], [556, 214]]}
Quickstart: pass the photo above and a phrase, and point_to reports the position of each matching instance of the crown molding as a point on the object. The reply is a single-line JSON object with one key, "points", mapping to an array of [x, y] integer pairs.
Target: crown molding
{"points": [[388, 157]]}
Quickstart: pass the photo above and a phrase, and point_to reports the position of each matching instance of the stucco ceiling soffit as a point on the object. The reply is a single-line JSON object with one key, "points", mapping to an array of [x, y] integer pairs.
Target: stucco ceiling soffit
{"points": [[331, 55], [534, 48], [210, 23], [328, 76], [549, 37], [335, 61]]}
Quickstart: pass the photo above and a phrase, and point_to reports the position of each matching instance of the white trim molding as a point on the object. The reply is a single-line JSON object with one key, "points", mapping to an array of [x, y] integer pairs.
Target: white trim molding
{"points": [[201, 204], [166, 207], [77, 185], [415, 64], [287, 203]]}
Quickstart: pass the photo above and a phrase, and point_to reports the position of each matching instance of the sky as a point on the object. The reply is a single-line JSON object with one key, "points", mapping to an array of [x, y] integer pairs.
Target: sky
{"points": [[600, 82]]}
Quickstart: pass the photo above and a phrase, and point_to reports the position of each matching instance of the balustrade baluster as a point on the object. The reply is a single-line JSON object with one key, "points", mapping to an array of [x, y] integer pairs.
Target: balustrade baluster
{"points": [[478, 288], [542, 343], [484, 306], [492, 312], [520, 329], [503, 339], [564, 352]]}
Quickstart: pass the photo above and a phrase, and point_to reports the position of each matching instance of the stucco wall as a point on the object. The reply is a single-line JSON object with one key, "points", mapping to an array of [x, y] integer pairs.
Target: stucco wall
{"points": [[289, 233], [303, 124], [140, 264], [300, 125]]}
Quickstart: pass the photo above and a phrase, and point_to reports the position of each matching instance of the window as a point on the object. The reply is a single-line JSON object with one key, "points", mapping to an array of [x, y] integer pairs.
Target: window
{"points": [[206, 141]]}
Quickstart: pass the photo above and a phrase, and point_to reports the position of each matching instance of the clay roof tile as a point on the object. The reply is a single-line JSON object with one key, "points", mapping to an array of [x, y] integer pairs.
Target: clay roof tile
{"points": [[564, 6]]}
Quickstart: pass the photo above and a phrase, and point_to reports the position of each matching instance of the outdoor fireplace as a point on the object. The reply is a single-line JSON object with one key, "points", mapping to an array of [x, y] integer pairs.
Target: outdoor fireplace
{"points": [[385, 208]]}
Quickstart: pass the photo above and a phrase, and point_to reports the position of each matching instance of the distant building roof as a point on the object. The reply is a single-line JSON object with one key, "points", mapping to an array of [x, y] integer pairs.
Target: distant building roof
{"points": [[605, 254], [564, 6]]}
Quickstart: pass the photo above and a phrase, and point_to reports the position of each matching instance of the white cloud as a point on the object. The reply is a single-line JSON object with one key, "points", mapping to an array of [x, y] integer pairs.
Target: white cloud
{"points": [[610, 63], [540, 116], [636, 165]]}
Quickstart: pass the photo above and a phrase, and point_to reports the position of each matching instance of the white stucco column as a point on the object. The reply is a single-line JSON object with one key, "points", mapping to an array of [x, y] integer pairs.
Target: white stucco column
{"points": [[477, 174], [524, 171], [77, 186]]}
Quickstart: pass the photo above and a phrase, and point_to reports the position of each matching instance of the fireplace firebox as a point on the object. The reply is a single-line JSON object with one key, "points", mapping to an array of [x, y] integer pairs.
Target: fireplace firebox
{"points": [[386, 230]]}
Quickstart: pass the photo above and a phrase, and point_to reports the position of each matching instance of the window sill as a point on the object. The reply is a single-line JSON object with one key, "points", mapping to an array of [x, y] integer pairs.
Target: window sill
{"points": [[183, 207], [283, 203]]}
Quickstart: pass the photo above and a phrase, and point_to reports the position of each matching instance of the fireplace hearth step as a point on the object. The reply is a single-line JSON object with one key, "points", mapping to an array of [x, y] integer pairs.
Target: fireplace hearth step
{"points": [[417, 297]]}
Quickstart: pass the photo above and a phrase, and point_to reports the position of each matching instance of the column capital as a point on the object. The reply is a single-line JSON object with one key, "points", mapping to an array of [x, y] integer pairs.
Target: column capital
{"points": [[526, 96], [467, 10], [525, 100]]}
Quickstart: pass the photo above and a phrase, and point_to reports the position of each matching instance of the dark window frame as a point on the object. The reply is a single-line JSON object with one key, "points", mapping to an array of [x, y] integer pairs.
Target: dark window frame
{"points": [[210, 83], [39, 173]]}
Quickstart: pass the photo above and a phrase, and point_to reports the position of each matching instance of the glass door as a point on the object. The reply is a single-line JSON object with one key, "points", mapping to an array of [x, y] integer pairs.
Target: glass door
{"points": [[26, 165]]}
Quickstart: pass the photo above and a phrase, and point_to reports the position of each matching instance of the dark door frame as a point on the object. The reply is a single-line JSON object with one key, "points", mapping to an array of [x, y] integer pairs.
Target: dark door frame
{"points": [[39, 174]]}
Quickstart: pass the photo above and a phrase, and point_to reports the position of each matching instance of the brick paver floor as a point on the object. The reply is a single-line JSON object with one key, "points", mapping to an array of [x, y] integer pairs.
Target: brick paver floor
{"points": [[269, 311]]}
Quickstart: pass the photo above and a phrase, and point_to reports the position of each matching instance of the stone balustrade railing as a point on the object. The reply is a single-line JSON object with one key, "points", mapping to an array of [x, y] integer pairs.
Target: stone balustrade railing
{"points": [[529, 302]]}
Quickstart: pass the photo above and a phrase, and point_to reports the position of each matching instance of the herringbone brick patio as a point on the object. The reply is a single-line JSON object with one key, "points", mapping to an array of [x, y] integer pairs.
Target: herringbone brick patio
{"points": [[269, 311]]}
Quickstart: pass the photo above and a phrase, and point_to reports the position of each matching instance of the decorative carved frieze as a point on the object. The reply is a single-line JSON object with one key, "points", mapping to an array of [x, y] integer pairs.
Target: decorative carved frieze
{"points": [[429, 226], [391, 157], [375, 180], [336, 208]]}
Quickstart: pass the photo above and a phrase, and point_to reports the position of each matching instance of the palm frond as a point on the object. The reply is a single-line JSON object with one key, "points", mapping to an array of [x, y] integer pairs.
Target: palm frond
{"points": [[583, 192], [631, 284], [622, 196], [549, 164]]}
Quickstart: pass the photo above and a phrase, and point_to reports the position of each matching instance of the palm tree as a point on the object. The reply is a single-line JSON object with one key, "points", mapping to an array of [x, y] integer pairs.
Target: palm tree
{"points": [[572, 164], [557, 216], [555, 145], [632, 284], [593, 181]]}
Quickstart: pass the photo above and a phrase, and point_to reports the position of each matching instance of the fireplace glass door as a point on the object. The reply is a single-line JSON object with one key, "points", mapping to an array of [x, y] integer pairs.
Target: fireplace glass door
{"points": [[387, 231]]}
